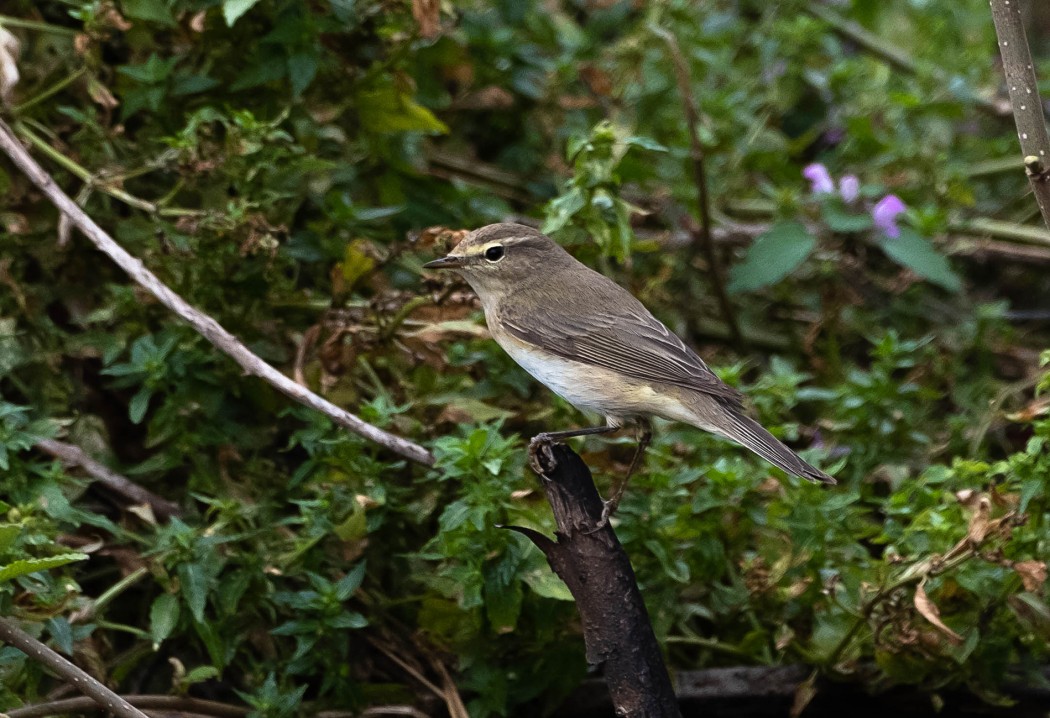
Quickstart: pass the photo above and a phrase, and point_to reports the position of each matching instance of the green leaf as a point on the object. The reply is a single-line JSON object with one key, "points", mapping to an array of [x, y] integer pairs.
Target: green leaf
{"points": [[673, 566], [139, 404], [454, 515], [354, 527], [349, 619], [773, 256], [546, 583], [265, 70], [356, 263], [646, 143], [199, 674], [150, 10], [840, 219], [194, 588], [32, 565], [350, 582], [218, 650], [8, 534], [192, 84], [152, 71], [233, 9], [61, 633], [163, 617], [502, 603], [388, 111], [561, 209], [302, 67], [344, 11], [920, 256]]}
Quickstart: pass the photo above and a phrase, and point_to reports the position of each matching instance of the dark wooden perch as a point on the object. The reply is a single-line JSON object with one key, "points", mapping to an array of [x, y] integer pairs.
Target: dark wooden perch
{"points": [[617, 633]]}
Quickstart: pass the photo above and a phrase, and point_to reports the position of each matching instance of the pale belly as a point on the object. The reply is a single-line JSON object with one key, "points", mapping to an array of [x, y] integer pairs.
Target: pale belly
{"points": [[602, 391]]}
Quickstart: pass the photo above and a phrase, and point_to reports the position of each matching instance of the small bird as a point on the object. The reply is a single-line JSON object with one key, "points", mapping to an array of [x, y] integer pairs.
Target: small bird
{"points": [[592, 343]]}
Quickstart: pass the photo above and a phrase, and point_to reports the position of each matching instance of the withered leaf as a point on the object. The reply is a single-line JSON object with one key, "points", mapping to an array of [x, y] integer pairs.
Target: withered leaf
{"points": [[931, 613], [1032, 573]]}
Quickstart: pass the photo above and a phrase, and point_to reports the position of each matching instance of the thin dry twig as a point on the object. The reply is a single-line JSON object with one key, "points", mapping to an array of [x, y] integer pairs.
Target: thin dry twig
{"points": [[204, 324], [85, 683], [75, 456], [1024, 97], [454, 702], [696, 150], [407, 667], [375, 711], [145, 702]]}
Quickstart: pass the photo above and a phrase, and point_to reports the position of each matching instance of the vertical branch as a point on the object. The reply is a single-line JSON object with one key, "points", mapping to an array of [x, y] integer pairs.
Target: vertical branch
{"points": [[1024, 97], [696, 151], [617, 632]]}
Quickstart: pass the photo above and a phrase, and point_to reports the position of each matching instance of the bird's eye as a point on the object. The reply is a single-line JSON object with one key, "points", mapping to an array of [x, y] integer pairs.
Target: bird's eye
{"points": [[494, 253]]}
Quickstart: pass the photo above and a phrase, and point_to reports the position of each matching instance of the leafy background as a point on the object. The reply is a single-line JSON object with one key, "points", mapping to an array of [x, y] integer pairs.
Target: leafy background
{"points": [[277, 162]]}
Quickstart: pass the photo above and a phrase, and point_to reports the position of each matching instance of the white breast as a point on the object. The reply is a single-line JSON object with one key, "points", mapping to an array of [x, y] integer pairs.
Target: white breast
{"points": [[591, 388]]}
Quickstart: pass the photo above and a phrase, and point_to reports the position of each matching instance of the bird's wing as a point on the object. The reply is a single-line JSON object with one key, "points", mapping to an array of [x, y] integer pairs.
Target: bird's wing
{"points": [[630, 341]]}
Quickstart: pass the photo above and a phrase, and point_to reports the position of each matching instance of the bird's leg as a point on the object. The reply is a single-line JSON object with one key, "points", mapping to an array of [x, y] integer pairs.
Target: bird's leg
{"points": [[552, 436], [610, 506], [542, 442]]}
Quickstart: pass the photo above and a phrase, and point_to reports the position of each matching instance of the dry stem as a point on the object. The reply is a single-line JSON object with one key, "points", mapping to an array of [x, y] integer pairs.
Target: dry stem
{"points": [[205, 325]]}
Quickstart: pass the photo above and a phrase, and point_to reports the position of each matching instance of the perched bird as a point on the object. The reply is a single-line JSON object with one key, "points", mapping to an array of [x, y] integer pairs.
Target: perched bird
{"points": [[592, 343]]}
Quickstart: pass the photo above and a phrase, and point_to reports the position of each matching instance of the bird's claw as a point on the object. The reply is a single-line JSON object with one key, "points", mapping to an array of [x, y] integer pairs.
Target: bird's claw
{"points": [[541, 458], [608, 509], [543, 438]]}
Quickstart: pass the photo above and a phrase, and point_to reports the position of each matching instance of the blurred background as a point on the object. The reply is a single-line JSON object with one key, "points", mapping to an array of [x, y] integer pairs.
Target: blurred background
{"points": [[826, 200]]}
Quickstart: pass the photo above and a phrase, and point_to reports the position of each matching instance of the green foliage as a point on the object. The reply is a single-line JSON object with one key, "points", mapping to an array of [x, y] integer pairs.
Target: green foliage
{"points": [[591, 199], [273, 160], [775, 254], [917, 254], [845, 218]]}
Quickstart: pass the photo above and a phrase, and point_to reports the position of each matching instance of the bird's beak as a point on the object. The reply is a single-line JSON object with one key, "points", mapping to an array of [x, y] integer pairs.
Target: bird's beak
{"points": [[449, 262]]}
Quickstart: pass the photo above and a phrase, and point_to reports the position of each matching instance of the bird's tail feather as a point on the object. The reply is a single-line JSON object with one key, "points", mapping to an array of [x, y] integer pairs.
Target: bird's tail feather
{"points": [[748, 432]]}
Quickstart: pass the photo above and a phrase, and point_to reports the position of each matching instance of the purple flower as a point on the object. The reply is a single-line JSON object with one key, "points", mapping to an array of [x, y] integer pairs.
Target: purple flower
{"points": [[849, 188], [819, 178], [884, 214]]}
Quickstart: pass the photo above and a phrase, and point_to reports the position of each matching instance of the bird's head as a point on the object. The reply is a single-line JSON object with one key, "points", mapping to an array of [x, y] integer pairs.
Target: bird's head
{"points": [[499, 258]]}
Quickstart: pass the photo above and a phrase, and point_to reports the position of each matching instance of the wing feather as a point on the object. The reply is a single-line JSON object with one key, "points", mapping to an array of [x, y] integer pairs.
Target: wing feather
{"points": [[631, 341]]}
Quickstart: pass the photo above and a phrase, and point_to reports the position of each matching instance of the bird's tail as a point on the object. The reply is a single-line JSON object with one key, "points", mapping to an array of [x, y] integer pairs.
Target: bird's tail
{"points": [[748, 432]]}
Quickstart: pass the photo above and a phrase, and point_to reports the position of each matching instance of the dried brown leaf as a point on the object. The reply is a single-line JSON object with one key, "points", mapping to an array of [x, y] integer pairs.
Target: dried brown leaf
{"points": [[598, 81], [427, 14], [10, 48], [928, 609], [442, 239], [144, 512], [1035, 409], [81, 43], [14, 223], [109, 15], [980, 522], [441, 331], [492, 97], [101, 95], [806, 692], [1032, 573]]}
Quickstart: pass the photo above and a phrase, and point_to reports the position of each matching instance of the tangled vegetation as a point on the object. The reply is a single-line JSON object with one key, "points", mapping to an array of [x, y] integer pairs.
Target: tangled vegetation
{"points": [[287, 167]]}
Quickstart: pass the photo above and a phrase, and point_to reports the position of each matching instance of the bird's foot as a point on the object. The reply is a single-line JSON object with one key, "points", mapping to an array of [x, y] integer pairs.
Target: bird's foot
{"points": [[608, 509], [541, 458], [544, 437]]}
